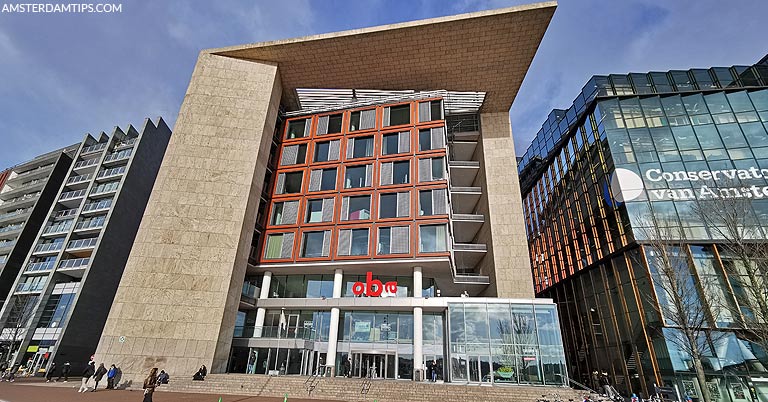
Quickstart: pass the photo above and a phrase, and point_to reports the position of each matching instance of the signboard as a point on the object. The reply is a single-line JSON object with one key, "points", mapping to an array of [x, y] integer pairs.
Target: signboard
{"points": [[307, 324], [627, 185], [373, 287], [32, 349], [363, 326]]}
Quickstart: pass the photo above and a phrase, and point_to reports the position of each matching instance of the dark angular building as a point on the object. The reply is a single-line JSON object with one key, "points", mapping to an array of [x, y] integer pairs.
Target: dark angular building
{"points": [[635, 150]]}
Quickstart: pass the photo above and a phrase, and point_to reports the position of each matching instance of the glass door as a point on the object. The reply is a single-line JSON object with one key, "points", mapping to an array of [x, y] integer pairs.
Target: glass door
{"points": [[459, 368], [293, 325]]}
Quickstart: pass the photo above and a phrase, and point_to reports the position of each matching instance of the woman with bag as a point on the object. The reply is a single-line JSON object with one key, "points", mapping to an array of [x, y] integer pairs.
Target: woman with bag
{"points": [[149, 385]]}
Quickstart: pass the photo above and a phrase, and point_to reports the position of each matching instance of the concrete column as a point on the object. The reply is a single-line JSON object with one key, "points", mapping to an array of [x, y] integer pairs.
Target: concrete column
{"points": [[417, 282], [261, 311], [333, 333], [418, 355]]}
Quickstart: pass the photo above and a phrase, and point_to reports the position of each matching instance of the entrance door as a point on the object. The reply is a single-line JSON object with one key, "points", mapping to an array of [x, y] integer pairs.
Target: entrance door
{"points": [[374, 365], [293, 325]]}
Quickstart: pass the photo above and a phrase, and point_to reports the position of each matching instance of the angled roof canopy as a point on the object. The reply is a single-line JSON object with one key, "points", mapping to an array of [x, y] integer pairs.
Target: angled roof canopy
{"points": [[487, 51]]}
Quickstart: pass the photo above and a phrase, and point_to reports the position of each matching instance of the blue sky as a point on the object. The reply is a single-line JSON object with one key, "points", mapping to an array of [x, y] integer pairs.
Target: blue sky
{"points": [[63, 75]]}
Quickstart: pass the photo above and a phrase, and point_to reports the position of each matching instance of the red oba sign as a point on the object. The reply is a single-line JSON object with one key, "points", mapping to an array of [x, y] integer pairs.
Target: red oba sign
{"points": [[373, 287]]}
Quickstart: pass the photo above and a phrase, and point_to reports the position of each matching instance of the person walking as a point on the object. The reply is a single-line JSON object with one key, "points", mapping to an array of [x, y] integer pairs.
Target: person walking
{"points": [[111, 377], [51, 372], [12, 374], [97, 376], [149, 385], [434, 370], [65, 372], [3, 370], [87, 374]]}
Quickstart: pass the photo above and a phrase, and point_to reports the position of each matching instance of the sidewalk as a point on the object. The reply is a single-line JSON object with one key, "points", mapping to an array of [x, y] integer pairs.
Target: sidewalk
{"points": [[37, 390]]}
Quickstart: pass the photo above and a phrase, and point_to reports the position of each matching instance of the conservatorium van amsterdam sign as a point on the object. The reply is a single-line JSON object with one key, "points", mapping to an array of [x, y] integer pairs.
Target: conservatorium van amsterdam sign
{"points": [[704, 184]]}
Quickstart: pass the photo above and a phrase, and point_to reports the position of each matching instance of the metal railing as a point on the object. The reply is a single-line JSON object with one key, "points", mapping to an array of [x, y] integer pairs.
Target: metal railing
{"points": [[93, 206], [93, 148], [61, 227], [46, 247], [30, 172], [86, 163], [7, 243], [90, 223], [127, 143], [82, 243], [250, 331], [22, 198], [11, 227], [71, 195], [74, 263], [111, 172], [119, 155], [65, 213], [14, 213], [105, 188], [30, 287], [79, 179], [42, 266]]}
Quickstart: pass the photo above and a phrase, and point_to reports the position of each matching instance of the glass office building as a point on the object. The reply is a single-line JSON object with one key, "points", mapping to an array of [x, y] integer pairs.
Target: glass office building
{"points": [[636, 153]]}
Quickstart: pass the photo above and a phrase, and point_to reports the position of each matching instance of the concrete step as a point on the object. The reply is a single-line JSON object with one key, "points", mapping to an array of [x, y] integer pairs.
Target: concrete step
{"points": [[345, 389]]}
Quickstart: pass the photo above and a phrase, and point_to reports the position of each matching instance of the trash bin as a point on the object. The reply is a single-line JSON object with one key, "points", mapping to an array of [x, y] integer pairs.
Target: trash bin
{"points": [[419, 375]]}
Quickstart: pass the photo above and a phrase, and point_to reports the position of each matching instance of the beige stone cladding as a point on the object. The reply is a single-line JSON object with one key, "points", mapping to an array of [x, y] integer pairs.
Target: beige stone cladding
{"points": [[507, 261], [176, 305]]}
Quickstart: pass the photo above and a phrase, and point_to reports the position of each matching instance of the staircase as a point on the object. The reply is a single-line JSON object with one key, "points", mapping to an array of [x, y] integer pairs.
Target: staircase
{"points": [[349, 389]]}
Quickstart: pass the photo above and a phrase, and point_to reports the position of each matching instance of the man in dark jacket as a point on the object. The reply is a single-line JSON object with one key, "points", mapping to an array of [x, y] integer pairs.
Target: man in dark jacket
{"points": [[111, 377], [89, 371], [98, 375], [51, 371], [65, 372]]}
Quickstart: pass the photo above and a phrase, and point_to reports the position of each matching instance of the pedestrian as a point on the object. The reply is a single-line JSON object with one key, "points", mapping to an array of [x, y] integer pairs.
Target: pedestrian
{"points": [[111, 377], [434, 370], [163, 377], [65, 372], [149, 385], [97, 376], [3, 369], [12, 374], [87, 374], [203, 371], [51, 372]]}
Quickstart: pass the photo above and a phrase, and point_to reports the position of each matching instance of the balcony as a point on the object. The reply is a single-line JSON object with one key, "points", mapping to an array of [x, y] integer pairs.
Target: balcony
{"points": [[10, 230], [464, 199], [26, 200], [105, 188], [463, 173], [79, 181], [462, 150], [93, 148], [6, 244], [125, 144], [30, 287], [15, 215], [249, 331], [82, 244], [468, 255], [71, 195], [102, 205], [65, 213], [74, 263], [82, 165], [24, 188], [90, 224], [40, 267], [47, 248], [466, 226], [59, 228], [250, 292], [110, 173], [40, 172], [118, 156]]}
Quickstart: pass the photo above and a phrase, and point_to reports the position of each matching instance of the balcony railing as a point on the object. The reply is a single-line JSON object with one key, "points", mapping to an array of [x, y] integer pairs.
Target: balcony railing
{"points": [[250, 290], [118, 155], [93, 148], [43, 266], [47, 247], [61, 227], [79, 179], [14, 213], [127, 143], [7, 243], [22, 198], [93, 206], [111, 172], [11, 228], [65, 213], [74, 263], [105, 188], [69, 195], [86, 163], [250, 331], [30, 172], [30, 287], [90, 224], [82, 243]]}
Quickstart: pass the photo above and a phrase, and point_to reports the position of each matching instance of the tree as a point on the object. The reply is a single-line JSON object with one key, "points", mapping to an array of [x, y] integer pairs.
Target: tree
{"points": [[677, 292], [744, 253], [20, 311]]}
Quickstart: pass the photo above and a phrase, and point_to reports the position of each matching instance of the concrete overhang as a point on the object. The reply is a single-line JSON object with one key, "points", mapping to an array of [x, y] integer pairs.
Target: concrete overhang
{"points": [[487, 51]]}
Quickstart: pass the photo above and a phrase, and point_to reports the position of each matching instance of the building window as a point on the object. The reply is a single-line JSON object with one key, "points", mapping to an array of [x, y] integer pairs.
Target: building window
{"points": [[329, 124], [356, 208], [285, 213], [431, 169], [320, 210], [353, 242], [394, 240], [394, 205], [297, 129], [327, 151], [396, 143], [432, 239], [362, 120], [359, 147], [397, 115], [433, 202], [322, 179], [316, 244], [430, 110], [395, 172], [358, 176], [279, 245], [289, 183], [293, 155], [431, 138]]}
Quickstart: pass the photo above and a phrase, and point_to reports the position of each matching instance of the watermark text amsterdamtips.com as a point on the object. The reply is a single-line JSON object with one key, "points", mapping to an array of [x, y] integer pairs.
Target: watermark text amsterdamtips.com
{"points": [[51, 8]]}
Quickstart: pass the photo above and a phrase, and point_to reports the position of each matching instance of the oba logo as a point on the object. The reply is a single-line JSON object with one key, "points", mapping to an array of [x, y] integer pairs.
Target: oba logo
{"points": [[373, 287], [626, 185]]}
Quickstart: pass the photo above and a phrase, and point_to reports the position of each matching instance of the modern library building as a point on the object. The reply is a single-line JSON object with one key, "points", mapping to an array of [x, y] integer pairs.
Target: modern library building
{"points": [[347, 203], [646, 207]]}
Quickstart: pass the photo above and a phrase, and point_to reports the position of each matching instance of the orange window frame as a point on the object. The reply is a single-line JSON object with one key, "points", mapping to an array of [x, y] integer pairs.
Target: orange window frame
{"points": [[346, 143], [380, 144], [411, 210], [304, 213], [375, 242], [417, 207], [411, 170], [417, 237], [376, 121], [371, 204], [300, 243], [416, 109], [263, 248], [311, 121], [411, 115], [271, 208], [346, 166], [336, 233]]}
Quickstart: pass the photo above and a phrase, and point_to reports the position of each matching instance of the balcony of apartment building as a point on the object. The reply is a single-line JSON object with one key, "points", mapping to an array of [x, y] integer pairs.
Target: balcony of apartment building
{"points": [[21, 201], [40, 267], [78, 181], [93, 148], [72, 199], [111, 173], [57, 228], [63, 214], [6, 245], [85, 165], [81, 247], [73, 267], [125, 143], [31, 285], [104, 189], [10, 231], [37, 172], [22, 188], [94, 207], [90, 225], [48, 247], [15, 215], [116, 157]]}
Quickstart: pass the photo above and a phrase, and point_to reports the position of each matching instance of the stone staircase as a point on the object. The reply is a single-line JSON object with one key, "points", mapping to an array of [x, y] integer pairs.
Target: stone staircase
{"points": [[345, 389]]}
